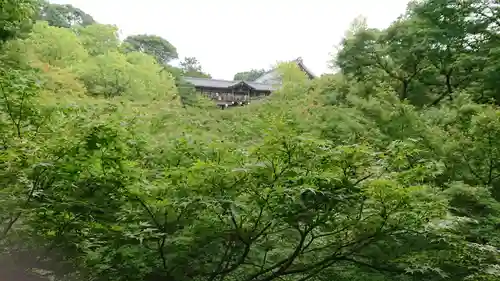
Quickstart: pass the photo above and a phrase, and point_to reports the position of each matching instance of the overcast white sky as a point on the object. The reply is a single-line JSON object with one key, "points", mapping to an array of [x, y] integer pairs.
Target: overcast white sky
{"points": [[228, 36]]}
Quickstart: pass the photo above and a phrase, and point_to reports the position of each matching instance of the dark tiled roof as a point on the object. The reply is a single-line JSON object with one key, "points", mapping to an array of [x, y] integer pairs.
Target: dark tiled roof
{"points": [[216, 83], [224, 84], [261, 86], [209, 83]]}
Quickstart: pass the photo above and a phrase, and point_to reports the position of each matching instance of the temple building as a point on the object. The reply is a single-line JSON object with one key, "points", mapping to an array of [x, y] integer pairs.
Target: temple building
{"points": [[235, 93]]}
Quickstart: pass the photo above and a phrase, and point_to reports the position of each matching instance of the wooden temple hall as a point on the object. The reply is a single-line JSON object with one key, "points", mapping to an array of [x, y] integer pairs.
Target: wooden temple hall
{"points": [[237, 93]]}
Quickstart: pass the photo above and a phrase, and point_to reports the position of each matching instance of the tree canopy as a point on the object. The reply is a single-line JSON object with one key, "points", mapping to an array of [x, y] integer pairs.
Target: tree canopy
{"points": [[389, 170], [249, 75], [152, 45], [433, 52], [64, 15], [191, 67]]}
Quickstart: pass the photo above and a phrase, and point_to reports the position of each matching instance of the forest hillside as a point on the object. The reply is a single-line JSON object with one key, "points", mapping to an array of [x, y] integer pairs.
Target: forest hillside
{"points": [[388, 170]]}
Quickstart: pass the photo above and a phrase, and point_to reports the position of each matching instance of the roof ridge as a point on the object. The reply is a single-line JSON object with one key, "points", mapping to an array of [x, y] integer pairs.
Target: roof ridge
{"points": [[212, 79], [223, 80]]}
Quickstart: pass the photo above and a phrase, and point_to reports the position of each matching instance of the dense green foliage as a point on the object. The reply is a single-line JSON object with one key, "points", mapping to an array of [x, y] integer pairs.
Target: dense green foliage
{"points": [[431, 54], [16, 17], [379, 172], [190, 66], [64, 15]]}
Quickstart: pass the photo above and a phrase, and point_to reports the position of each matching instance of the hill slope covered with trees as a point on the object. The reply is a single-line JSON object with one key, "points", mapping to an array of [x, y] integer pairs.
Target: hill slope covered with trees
{"points": [[388, 170]]}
